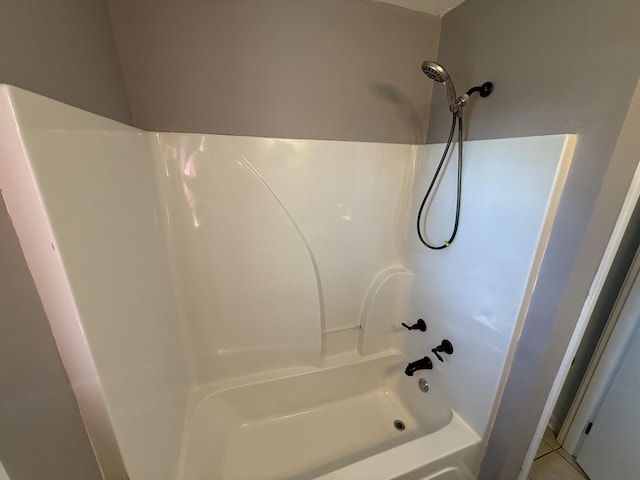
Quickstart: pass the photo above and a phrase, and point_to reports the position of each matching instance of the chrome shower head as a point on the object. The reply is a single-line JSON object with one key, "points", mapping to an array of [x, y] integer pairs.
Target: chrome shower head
{"points": [[437, 73]]}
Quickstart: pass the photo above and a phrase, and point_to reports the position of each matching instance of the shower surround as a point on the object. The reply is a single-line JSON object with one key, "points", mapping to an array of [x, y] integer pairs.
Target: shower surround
{"points": [[213, 294]]}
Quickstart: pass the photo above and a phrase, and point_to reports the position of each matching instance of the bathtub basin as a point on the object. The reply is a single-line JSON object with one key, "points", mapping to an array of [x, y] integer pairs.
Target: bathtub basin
{"points": [[340, 421]]}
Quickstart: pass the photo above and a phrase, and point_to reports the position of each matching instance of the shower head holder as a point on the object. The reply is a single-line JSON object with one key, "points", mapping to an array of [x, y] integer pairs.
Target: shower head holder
{"points": [[484, 90]]}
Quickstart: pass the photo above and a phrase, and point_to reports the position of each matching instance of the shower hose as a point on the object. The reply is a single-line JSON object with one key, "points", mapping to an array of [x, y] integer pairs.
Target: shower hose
{"points": [[448, 242]]}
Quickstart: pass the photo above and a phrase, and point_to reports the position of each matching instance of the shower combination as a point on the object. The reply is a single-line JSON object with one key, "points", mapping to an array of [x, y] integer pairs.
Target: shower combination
{"points": [[437, 73]]}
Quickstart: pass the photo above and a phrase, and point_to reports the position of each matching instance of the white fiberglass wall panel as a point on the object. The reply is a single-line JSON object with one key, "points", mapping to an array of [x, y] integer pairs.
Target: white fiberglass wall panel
{"points": [[350, 201], [248, 281], [279, 240], [95, 180], [476, 292]]}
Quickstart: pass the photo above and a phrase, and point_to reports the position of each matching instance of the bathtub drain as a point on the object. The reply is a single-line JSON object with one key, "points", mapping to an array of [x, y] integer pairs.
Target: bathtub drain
{"points": [[399, 425]]}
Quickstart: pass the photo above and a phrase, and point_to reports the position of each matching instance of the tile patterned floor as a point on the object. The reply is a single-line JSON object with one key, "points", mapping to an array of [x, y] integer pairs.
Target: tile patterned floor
{"points": [[553, 463]]}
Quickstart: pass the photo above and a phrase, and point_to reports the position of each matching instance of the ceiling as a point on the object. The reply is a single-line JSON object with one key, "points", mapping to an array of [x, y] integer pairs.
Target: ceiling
{"points": [[433, 7]]}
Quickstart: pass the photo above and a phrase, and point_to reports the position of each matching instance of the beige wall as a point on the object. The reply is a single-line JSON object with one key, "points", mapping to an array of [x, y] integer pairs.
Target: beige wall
{"points": [[41, 433], [63, 49], [558, 67], [330, 69]]}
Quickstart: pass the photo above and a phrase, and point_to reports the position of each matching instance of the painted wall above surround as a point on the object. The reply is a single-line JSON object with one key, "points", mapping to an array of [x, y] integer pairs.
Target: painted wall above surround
{"points": [[331, 70], [65, 50]]}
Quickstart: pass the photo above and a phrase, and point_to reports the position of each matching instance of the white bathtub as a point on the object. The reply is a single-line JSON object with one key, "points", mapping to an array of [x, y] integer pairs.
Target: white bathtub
{"points": [[336, 422]]}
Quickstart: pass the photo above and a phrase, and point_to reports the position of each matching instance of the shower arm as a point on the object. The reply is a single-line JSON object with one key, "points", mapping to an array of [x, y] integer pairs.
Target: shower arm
{"points": [[484, 90]]}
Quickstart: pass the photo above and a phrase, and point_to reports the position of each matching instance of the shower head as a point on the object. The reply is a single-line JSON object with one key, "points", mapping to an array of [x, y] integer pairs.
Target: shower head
{"points": [[437, 73]]}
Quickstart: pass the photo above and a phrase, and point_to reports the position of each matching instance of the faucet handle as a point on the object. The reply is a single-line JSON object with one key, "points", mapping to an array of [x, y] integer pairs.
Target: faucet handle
{"points": [[445, 347], [419, 325]]}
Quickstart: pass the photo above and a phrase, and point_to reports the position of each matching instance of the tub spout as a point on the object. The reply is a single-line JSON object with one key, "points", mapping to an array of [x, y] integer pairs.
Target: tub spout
{"points": [[422, 364]]}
